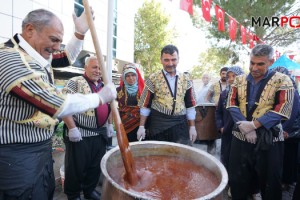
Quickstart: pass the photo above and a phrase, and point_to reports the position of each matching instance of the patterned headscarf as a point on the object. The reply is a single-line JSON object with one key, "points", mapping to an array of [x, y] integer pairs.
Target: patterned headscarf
{"points": [[138, 86], [235, 69]]}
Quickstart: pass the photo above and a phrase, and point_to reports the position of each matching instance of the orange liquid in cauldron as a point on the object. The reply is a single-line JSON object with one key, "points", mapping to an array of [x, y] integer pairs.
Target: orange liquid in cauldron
{"points": [[167, 177]]}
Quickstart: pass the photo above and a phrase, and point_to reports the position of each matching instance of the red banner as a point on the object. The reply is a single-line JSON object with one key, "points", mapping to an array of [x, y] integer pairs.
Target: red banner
{"points": [[251, 42], [187, 5], [206, 5], [232, 28], [243, 34], [291, 57], [220, 15], [277, 54]]}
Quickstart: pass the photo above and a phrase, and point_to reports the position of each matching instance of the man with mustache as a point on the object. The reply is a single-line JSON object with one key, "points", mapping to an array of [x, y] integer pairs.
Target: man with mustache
{"points": [[257, 103], [170, 98], [30, 103], [217, 88]]}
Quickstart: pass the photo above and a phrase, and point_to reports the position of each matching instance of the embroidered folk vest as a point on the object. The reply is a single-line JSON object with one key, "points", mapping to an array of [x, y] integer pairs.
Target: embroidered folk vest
{"points": [[163, 100]]}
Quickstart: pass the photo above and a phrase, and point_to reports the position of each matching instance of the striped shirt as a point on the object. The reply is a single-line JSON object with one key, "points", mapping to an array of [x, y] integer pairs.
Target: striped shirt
{"points": [[28, 100]]}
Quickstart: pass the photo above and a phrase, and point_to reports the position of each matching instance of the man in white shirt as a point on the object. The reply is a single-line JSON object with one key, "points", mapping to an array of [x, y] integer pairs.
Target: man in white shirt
{"points": [[201, 94], [170, 98]]}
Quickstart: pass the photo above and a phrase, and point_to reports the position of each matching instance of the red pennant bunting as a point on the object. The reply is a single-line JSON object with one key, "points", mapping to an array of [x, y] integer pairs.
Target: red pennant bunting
{"points": [[206, 4], [277, 54], [256, 38], [232, 28], [243, 34], [187, 5], [251, 42], [291, 57], [220, 15]]}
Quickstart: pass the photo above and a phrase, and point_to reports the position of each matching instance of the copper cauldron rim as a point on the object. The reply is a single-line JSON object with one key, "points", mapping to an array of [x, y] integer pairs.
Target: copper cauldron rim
{"points": [[219, 165]]}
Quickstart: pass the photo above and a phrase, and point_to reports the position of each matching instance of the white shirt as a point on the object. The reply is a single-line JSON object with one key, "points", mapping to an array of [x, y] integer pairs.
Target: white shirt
{"points": [[201, 94]]}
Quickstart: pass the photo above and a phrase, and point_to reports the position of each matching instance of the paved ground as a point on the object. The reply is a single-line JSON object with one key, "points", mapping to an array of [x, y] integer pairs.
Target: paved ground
{"points": [[59, 159]]}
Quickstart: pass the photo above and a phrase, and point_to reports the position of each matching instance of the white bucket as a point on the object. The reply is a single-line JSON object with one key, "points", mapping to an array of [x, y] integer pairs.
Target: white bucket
{"points": [[62, 176]]}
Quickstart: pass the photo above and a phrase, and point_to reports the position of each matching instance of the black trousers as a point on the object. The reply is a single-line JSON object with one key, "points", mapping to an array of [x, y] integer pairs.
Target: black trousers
{"points": [[247, 168], [26, 171], [290, 162], [132, 136], [226, 138], [82, 165], [178, 134]]}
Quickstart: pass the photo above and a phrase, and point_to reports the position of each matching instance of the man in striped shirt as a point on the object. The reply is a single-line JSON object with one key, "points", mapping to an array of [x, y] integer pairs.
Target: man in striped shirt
{"points": [[30, 104]]}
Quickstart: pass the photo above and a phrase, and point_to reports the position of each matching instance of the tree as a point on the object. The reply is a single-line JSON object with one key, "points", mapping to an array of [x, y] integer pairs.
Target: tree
{"points": [[243, 11], [150, 36], [211, 61]]}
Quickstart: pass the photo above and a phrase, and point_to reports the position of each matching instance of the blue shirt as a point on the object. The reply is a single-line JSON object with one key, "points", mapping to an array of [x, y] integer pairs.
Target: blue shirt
{"points": [[269, 119]]}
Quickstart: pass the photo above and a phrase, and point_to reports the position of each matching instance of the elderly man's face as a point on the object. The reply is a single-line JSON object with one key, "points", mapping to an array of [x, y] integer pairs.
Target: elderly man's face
{"points": [[92, 70], [205, 79], [47, 40]]}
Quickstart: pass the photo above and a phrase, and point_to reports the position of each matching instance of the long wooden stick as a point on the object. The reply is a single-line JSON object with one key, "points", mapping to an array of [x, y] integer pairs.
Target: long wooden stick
{"points": [[123, 143]]}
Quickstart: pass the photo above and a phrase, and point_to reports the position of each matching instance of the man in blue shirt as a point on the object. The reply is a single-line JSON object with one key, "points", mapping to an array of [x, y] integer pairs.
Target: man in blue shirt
{"points": [[257, 103]]}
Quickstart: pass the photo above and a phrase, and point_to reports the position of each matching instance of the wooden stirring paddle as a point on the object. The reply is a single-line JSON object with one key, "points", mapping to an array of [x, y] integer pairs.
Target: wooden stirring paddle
{"points": [[131, 173]]}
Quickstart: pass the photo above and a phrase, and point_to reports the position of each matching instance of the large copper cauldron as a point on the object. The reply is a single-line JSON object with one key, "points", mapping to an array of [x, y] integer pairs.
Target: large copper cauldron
{"points": [[112, 191]]}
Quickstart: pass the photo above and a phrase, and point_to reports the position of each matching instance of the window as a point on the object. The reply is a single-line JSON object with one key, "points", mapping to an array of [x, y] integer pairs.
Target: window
{"points": [[78, 7], [115, 29]]}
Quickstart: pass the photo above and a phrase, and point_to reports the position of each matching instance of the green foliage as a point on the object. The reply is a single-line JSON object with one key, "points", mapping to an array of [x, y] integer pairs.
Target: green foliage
{"points": [[57, 139], [150, 36], [242, 11], [59, 130], [223, 50], [211, 61]]}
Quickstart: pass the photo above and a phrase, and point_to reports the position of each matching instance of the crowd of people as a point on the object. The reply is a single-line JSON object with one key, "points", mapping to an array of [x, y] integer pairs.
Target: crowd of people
{"points": [[257, 115]]}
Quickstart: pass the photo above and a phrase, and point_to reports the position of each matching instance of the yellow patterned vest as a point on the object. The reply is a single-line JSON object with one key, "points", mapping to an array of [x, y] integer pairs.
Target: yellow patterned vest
{"points": [[79, 84], [216, 92], [163, 100], [268, 96]]}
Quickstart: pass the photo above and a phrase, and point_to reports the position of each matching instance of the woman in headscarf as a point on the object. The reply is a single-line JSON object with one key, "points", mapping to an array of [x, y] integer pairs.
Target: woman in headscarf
{"points": [[224, 121], [129, 92]]}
